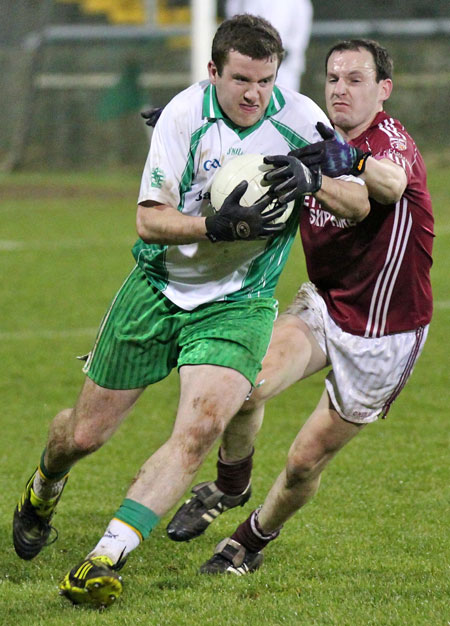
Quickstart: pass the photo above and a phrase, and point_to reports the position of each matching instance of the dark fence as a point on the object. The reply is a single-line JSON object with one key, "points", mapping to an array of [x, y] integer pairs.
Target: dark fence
{"points": [[74, 101]]}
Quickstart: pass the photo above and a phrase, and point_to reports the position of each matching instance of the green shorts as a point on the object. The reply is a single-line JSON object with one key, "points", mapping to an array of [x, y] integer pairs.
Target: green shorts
{"points": [[143, 336]]}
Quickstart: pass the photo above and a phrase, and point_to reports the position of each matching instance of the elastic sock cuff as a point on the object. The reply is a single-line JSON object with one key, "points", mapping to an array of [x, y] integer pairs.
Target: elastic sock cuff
{"points": [[138, 516], [258, 531], [49, 475]]}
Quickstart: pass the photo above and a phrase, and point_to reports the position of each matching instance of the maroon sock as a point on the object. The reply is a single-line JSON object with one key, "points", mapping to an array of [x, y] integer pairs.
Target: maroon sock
{"points": [[233, 478], [250, 534]]}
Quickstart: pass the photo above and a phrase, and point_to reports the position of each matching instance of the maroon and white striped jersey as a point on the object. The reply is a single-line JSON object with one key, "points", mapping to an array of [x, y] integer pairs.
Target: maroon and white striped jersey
{"points": [[375, 275]]}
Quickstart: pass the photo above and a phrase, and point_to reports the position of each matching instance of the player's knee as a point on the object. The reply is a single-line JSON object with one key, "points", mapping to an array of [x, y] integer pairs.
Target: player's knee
{"points": [[64, 415], [60, 423], [89, 436], [300, 467], [86, 442], [60, 432]]}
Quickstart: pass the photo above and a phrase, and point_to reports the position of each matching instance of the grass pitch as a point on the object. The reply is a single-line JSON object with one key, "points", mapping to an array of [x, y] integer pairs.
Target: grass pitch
{"points": [[371, 548]]}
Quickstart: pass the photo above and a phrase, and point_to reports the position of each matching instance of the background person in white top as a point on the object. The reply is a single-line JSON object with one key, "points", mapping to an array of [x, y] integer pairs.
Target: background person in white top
{"points": [[199, 299]]}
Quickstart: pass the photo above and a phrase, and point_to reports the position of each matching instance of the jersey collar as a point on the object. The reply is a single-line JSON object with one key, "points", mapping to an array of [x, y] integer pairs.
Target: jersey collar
{"points": [[212, 110]]}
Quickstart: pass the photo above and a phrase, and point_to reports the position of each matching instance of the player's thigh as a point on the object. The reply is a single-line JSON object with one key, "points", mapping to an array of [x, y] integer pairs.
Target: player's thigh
{"points": [[293, 354], [99, 411]]}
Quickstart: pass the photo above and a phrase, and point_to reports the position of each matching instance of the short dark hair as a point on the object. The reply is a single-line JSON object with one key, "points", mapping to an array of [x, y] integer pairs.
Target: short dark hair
{"points": [[250, 35], [384, 64]]}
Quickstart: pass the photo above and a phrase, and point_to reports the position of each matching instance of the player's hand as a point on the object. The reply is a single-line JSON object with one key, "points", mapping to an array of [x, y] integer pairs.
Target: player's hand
{"points": [[333, 155], [290, 178], [234, 221], [151, 116]]}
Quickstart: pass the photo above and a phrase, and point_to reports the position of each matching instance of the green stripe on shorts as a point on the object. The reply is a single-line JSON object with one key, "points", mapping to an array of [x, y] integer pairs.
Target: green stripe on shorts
{"points": [[143, 336]]}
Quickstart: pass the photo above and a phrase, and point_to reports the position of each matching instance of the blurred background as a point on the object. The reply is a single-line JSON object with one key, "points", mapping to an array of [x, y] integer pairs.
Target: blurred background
{"points": [[75, 74]]}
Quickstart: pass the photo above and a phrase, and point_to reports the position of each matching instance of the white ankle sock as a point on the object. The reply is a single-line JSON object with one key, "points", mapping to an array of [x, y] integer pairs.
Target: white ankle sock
{"points": [[47, 489], [118, 541]]}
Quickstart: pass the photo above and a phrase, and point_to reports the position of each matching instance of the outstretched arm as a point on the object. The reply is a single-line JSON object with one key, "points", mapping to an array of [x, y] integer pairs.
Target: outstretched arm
{"points": [[385, 180], [291, 179], [344, 199]]}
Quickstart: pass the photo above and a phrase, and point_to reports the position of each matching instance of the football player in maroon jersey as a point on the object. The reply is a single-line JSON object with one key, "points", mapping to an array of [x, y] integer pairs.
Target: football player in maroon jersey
{"points": [[364, 314]]}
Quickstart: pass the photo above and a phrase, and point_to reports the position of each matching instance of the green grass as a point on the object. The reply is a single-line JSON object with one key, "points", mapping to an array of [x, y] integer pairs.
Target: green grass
{"points": [[371, 548]]}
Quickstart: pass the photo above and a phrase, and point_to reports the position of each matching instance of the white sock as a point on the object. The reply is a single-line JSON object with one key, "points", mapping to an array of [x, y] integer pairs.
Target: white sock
{"points": [[118, 541], [47, 489]]}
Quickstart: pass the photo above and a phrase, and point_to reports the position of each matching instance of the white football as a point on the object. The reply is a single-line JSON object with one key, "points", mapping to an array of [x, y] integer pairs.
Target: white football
{"points": [[249, 167]]}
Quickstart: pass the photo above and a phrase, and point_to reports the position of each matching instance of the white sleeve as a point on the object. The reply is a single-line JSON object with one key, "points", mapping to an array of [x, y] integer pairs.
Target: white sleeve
{"points": [[167, 157]]}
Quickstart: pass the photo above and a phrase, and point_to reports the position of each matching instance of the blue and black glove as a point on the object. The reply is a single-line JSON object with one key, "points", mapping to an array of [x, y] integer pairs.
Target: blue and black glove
{"points": [[151, 116], [234, 221], [290, 179], [334, 155]]}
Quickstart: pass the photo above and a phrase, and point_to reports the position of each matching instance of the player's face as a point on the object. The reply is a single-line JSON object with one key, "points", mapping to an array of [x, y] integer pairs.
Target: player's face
{"points": [[352, 94], [245, 87]]}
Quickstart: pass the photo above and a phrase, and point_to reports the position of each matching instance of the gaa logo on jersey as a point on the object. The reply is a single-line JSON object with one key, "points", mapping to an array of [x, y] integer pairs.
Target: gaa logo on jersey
{"points": [[211, 164], [398, 144]]}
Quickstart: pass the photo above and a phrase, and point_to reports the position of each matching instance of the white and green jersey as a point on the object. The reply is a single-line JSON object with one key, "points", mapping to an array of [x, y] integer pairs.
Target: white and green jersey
{"points": [[191, 140]]}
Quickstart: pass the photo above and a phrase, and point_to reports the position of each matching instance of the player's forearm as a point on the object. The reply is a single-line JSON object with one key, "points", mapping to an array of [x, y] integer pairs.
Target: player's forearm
{"points": [[385, 180], [165, 225], [344, 198]]}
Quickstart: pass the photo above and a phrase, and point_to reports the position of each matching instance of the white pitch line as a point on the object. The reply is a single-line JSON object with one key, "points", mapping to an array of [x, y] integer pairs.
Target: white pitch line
{"points": [[43, 333], [8, 246], [442, 230], [442, 304], [62, 244]]}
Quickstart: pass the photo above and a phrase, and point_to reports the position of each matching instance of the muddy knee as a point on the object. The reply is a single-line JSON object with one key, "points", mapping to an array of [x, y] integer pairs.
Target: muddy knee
{"points": [[194, 443]]}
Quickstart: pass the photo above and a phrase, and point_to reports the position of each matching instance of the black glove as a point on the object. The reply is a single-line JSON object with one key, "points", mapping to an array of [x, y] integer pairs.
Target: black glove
{"points": [[151, 116], [291, 178], [234, 221], [333, 155]]}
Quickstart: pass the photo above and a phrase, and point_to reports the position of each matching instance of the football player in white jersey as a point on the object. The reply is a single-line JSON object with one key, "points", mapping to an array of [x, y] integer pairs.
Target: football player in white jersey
{"points": [[200, 298]]}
